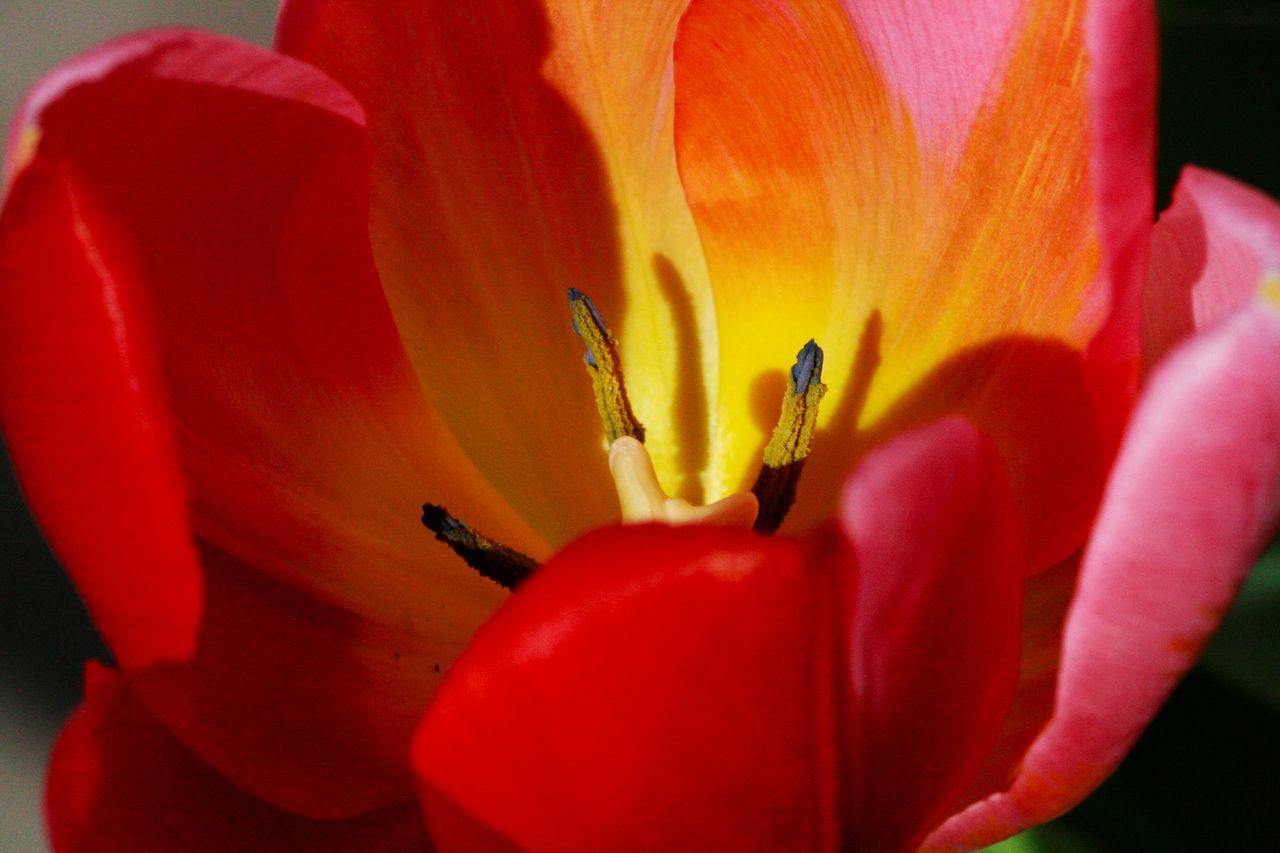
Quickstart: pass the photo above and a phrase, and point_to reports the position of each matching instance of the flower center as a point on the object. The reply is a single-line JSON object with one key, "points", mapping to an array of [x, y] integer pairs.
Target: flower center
{"points": [[640, 495]]}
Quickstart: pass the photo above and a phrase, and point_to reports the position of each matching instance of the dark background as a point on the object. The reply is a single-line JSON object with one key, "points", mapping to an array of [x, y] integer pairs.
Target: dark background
{"points": [[1204, 775]]}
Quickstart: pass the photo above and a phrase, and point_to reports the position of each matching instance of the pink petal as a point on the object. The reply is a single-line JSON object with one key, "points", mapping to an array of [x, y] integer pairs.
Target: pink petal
{"points": [[934, 639], [1121, 40], [1209, 251], [1194, 495]]}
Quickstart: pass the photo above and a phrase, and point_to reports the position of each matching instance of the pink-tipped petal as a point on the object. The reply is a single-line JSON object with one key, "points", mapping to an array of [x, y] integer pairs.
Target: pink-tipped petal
{"points": [[827, 206], [1209, 250], [1194, 494], [944, 58]]}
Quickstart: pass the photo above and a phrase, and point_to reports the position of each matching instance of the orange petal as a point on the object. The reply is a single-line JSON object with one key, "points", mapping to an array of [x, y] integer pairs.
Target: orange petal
{"points": [[521, 149], [824, 211]]}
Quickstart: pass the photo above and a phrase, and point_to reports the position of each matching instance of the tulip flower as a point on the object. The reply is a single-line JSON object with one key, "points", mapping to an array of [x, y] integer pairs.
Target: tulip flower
{"points": [[260, 307]]}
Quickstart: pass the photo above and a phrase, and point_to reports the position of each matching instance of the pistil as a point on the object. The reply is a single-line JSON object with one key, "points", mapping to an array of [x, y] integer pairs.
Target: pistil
{"points": [[642, 499]]}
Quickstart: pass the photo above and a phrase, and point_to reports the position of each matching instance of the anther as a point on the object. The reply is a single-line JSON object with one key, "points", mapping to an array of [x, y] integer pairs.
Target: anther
{"points": [[605, 368], [784, 456], [496, 562]]}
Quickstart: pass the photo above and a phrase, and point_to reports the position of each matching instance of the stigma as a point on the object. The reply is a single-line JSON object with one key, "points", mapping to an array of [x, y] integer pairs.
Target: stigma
{"points": [[642, 499]]}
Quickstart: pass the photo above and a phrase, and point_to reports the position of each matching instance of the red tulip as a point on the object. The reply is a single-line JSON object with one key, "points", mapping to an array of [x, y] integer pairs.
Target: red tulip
{"points": [[255, 314]]}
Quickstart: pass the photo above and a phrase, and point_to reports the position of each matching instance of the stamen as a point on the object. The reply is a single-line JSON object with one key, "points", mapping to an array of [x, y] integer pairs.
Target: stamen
{"points": [[605, 368], [787, 450], [496, 562]]}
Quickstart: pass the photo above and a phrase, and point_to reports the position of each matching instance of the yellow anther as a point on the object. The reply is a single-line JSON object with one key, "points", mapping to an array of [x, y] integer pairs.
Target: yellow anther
{"points": [[606, 370], [642, 498], [784, 456]]}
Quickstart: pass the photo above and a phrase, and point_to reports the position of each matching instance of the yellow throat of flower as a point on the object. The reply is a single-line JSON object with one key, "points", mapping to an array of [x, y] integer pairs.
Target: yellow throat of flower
{"points": [[640, 496]]}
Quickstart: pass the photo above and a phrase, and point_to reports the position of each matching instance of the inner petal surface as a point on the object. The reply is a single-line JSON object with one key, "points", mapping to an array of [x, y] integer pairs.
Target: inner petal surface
{"points": [[824, 212], [521, 149]]}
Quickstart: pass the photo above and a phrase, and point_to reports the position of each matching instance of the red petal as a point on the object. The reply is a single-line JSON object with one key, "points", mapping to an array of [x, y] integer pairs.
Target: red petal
{"points": [[1209, 252], [655, 685], [1193, 497], [708, 689], [197, 349], [86, 425], [118, 781]]}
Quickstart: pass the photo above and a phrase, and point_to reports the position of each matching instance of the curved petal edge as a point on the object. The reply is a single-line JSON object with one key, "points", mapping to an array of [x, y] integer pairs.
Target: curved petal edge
{"points": [[1211, 250], [1193, 497]]}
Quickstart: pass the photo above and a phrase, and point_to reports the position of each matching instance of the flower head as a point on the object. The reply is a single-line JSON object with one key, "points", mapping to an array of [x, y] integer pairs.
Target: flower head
{"points": [[260, 307]]}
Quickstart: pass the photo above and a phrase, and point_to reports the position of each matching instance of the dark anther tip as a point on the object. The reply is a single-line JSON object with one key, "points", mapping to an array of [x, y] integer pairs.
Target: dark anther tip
{"points": [[808, 367], [576, 295], [437, 519]]}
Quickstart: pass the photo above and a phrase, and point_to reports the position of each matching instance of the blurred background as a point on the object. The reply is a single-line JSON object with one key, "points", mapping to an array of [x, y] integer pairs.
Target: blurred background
{"points": [[1204, 775]]}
